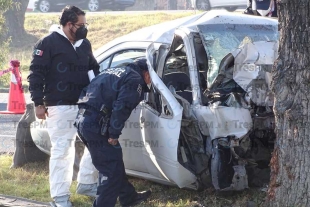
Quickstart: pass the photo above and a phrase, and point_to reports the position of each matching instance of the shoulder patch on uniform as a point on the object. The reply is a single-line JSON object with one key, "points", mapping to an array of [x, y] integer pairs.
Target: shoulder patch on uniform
{"points": [[115, 71], [139, 89], [38, 52]]}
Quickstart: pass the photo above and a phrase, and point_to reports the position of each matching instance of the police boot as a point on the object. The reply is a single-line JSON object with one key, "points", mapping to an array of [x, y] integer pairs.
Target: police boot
{"points": [[139, 198]]}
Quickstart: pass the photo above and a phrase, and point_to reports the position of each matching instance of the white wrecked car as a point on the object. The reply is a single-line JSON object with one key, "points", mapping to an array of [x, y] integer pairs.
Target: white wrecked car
{"points": [[208, 119]]}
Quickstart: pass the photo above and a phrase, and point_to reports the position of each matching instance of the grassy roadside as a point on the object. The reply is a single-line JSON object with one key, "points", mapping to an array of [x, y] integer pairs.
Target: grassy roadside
{"points": [[102, 29], [31, 182]]}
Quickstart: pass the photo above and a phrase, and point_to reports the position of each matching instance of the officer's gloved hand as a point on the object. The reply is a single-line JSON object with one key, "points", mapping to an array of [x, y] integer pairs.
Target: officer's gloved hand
{"points": [[112, 141]]}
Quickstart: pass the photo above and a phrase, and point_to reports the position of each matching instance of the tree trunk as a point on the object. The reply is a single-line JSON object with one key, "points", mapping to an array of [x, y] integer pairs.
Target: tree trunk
{"points": [[290, 164], [15, 19]]}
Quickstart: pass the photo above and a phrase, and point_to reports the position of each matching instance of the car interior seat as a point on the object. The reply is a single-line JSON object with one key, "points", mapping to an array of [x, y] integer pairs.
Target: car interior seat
{"points": [[201, 54], [181, 83]]}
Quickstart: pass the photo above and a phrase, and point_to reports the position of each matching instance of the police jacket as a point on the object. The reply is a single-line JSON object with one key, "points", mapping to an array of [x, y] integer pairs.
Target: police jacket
{"points": [[58, 70], [120, 90]]}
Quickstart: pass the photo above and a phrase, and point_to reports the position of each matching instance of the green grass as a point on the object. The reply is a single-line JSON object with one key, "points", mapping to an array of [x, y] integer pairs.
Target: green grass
{"points": [[31, 181]]}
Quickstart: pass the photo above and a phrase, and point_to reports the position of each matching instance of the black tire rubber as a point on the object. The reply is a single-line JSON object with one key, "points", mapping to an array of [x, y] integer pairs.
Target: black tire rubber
{"points": [[198, 5], [222, 170], [231, 8]]}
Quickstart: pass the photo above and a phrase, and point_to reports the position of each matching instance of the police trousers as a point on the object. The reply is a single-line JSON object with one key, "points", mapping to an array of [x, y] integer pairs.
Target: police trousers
{"points": [[108, 160]]}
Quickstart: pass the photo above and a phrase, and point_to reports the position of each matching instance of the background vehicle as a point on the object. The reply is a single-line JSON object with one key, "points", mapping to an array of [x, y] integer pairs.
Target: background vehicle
{"points": [[262, 8], [203, 123], [210, 4], [91, 5]]}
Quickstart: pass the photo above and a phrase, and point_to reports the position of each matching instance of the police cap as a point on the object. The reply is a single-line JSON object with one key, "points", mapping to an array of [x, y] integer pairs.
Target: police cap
{"points": [[141, 62]]}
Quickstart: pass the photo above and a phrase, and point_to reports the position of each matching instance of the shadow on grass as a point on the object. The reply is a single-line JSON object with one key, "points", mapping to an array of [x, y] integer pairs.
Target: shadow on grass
{"points": [[172, 196], [28, 40]]}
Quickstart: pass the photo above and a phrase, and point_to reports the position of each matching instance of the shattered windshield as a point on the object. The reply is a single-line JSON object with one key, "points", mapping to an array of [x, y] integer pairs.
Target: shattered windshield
{"points": [[221, 39]]}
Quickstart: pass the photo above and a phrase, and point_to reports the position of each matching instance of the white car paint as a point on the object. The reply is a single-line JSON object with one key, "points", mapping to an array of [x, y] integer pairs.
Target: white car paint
{"points": [[151, 152], [211, 4]]}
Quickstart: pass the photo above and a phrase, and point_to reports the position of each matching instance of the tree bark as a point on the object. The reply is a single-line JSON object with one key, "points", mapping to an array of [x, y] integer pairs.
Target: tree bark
{"points": [[15, 19], [290, 164]]}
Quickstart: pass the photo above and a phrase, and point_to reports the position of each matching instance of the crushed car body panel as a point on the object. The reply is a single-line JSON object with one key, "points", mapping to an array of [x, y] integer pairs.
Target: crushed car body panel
{"points": [[220, 121], [163, 156], [252, 70], [203, 110]]}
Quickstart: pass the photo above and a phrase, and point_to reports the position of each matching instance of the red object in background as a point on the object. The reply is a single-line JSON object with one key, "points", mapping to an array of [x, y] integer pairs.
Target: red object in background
{"points": [[16, 102]]}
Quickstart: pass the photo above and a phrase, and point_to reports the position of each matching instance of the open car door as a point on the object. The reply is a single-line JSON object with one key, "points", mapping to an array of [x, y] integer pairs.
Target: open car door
{"points": [[160, 128]]}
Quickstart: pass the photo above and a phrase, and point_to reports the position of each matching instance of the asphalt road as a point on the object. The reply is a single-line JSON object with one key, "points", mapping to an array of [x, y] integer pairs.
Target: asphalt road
{"points": [[8, 124]]}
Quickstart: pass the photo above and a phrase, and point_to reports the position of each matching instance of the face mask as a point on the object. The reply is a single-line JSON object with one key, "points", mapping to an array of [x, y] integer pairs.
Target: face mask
{"points": [[81, 33]]}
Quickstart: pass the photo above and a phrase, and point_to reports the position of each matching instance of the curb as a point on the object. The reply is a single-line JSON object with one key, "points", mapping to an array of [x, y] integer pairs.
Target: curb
{"points": [[10, 201]]}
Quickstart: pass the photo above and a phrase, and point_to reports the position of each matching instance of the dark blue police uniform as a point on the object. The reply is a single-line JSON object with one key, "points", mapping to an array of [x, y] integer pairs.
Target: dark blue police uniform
{"points": [[104, 106]]}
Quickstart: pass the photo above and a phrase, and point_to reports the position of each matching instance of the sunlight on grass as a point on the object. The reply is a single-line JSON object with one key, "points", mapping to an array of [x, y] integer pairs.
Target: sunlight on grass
{"points": [[31, 181]]}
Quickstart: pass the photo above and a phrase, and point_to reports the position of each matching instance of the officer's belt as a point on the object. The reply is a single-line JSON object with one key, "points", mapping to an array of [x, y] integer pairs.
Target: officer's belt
{"points": [[89, 112], [85, 112]]}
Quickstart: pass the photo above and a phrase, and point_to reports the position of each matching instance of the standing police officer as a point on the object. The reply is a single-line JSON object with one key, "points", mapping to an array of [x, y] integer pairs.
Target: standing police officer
{"points": [[104, 106]]}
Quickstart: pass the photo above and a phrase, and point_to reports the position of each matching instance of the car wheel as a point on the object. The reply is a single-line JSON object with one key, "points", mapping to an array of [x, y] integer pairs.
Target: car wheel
{"points": [[93, 5], [203, 5], [222, 171], [231, 8], [44, 6]]}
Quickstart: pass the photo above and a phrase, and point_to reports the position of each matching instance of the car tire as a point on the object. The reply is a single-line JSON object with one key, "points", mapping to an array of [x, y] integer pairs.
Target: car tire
{"points": [[44, 6], [203, 5], [231, 8], [222, 170], [93, 5]]}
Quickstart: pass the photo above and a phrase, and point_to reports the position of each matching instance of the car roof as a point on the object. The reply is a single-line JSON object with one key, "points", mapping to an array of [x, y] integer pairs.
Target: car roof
{"points": [[164, 32], [225, 17]]}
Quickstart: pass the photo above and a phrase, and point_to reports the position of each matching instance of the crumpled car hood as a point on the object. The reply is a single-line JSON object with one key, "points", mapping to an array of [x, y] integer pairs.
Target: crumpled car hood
{"points": [[252, 72]]}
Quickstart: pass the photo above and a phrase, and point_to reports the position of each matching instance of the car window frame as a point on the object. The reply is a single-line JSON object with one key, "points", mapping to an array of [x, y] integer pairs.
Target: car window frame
{"points": [[121, 52], [130, 45]]}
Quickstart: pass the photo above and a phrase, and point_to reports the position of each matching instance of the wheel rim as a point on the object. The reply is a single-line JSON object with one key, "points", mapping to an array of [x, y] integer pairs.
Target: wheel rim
{"points": [[203, 5], [44, 6], [93, 5]]}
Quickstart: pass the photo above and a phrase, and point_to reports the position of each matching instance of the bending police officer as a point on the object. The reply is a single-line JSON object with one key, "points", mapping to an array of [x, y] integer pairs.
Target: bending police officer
{"points": [[104, 106]]}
